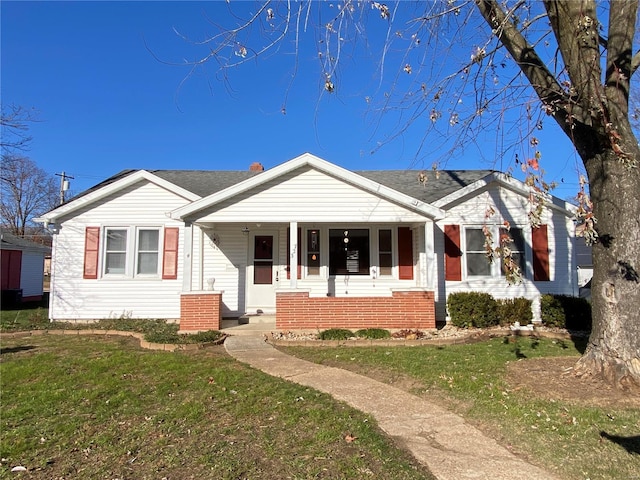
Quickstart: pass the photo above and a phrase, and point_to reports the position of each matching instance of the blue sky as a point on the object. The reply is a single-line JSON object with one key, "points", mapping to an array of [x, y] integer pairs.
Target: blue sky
{"points": [[106, 81]]}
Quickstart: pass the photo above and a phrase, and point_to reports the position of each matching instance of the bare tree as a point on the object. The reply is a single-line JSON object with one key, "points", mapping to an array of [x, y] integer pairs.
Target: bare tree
{"points": [[27, 191], [460, 67], [14, 122]]}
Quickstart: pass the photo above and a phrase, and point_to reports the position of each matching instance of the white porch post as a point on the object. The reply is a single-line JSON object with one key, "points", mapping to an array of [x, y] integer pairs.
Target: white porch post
{"points": [[187, 257], [293, 254], [430, 253]]}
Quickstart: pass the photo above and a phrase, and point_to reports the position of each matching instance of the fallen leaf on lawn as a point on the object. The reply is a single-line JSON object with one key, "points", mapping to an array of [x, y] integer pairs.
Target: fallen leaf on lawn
{"points": [[349, 438]]}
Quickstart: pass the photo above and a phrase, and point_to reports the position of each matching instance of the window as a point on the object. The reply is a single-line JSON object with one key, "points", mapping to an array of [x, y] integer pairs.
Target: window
{"points": [[349, 252], [477, 262], [517, 247], [385, 254], [116, 252], [313, 252], [132, 251], [147, 252]]}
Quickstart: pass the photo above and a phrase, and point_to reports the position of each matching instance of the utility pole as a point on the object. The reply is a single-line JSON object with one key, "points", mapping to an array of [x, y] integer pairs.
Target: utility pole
{"points": [[64, 185]]}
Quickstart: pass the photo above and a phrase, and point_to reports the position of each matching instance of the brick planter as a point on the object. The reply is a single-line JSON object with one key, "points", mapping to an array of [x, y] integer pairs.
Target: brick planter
{"points": [[200, 311], [414, 309]]}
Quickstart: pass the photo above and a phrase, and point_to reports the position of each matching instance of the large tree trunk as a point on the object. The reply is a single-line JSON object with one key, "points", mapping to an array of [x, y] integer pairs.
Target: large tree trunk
{"points": [[593, 113], [613, 351]]}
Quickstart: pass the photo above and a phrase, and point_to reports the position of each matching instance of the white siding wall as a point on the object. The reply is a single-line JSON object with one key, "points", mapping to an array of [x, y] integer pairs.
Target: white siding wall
{"points": [[72, 297], [307, 195], [31, 277], [513, 208]]}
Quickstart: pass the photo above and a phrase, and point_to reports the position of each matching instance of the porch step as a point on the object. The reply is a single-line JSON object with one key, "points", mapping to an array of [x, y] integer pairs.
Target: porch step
{"points": [[249, 325], [251, 319]]}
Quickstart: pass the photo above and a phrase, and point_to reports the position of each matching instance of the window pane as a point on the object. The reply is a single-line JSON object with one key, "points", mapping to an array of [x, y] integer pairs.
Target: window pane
{"points": [[384, 240], [385, 263], [349, 252], [115, 263], [313, 252], [116, 240], [116, 254], [148, 263], [475, 239], [516, 246], [148, 240], [518, 239], [478, 264]]}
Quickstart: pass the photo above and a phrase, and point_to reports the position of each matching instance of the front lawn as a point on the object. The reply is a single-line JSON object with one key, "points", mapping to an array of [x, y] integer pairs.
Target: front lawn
{"points": [[519, 391], [102, 407]]}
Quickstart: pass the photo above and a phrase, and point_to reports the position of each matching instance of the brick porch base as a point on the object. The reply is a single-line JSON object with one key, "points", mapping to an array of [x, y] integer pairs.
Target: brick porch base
{"points": [[200, 311], [405, 309]]}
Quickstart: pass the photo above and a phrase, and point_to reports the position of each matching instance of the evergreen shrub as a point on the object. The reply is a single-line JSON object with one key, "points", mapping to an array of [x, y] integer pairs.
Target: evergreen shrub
{"points": [[565, 311], [512, 310], [472, 309]]}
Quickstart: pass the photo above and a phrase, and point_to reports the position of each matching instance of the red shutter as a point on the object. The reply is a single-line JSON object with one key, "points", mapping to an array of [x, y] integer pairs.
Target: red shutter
{"points": [[452, 253], [91, 252], [170, 254], [299, 253], [540, 243], [405, 253]]}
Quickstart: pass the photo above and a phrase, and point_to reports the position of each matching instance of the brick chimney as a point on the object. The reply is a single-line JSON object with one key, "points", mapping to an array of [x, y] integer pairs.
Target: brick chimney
{"points": [[256, 167]]}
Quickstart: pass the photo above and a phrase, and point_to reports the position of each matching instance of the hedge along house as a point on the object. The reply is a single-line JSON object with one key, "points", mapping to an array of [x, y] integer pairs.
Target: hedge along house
{"points": [[308, 241]]}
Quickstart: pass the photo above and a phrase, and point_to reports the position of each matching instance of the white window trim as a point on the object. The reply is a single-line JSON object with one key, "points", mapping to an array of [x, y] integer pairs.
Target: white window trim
{"points": [[496, 266], [374, 252], [136, 252], [131, 252]]}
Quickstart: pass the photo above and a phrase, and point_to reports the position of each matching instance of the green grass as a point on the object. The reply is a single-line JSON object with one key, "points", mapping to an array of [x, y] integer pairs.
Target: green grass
{"points": [[102, 407], [470, 379]]}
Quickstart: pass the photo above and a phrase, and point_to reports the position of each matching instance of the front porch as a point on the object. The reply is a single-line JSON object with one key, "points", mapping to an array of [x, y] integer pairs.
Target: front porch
{"points": [[295, 310]]}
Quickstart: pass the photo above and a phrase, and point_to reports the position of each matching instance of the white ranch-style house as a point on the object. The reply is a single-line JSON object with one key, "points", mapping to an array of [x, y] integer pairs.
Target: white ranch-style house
{"points": [[314, 244]]}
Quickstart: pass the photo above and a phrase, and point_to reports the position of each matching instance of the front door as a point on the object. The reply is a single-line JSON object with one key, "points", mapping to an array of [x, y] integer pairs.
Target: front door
{"points": [[262, 272]]}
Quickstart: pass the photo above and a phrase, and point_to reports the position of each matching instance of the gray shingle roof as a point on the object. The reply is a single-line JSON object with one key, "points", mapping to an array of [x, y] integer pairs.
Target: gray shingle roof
{"points": [[204, 182], [9, 241], [207, 182]]}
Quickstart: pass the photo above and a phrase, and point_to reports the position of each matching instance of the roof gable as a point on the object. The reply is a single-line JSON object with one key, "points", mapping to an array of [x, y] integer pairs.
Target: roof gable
{"points": [[110, 186], [506, 181], [311, 161]]}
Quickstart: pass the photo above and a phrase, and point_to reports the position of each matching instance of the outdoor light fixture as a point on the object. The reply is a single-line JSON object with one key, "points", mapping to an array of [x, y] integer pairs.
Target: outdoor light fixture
{"points": [[245, 230]]}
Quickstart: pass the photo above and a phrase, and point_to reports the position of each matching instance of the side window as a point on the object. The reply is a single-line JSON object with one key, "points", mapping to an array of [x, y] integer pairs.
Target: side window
{"points": [[313, 252], [115, 262], [147, 252], [385, 252], [477, 263]]}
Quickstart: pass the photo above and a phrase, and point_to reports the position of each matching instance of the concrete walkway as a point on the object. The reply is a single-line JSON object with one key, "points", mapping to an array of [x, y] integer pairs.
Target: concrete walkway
{"points": [[449, 447]]}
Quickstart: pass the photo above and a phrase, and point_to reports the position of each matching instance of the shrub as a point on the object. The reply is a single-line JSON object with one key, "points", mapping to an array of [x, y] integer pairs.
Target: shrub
{"points": [[472, 309], [565, 311], [373, 333], [512, 310], [335, 334]]}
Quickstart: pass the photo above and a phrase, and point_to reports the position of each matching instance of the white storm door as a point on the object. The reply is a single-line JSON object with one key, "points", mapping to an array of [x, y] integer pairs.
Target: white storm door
{"points": [[262, 274]]}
